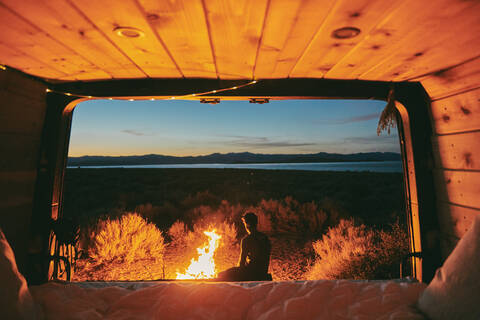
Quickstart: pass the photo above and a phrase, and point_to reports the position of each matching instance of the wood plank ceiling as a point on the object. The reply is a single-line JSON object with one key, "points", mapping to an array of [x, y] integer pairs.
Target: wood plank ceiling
{"points": [[237, 39]]}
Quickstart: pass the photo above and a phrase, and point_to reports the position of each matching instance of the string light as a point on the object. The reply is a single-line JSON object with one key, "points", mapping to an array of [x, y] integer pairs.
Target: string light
{"points": [[3, 67], [186, 96]]}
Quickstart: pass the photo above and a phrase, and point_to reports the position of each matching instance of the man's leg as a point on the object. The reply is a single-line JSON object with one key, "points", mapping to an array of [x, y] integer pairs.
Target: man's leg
{"points": [[232, 274]]}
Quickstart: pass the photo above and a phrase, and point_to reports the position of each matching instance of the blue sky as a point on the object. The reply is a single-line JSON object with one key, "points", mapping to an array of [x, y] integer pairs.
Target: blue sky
{"points": [[180, 128]]}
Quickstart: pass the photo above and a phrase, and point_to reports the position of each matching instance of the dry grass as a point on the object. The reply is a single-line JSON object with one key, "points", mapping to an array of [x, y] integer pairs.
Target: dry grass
{"points": [[350, 251], [125, 248]]}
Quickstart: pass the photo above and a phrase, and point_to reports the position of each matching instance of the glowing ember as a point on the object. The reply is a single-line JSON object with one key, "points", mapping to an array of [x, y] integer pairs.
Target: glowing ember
{"points": [[204, 266]]}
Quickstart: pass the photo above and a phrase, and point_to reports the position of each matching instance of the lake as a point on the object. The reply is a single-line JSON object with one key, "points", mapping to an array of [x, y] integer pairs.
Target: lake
{"points": [[373, 166]]}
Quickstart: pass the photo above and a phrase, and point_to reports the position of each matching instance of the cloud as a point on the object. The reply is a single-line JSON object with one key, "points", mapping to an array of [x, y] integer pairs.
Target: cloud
{"points": [[372, 139], [366, 117], [134, 133], [264, 142]]}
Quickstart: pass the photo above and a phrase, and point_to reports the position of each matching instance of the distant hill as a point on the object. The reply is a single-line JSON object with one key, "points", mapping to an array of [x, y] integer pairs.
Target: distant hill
{"points": [[230, 158]]}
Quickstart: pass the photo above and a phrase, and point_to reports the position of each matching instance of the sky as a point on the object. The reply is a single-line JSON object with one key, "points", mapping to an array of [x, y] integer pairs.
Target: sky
{"points": [[183, 128]]}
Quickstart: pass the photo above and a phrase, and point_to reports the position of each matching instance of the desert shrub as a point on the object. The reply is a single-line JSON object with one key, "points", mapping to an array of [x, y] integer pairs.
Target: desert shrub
{"points": [[125, 248], [205, 198], [177, 232], [288, 216], [349, 251], [127, 239]]}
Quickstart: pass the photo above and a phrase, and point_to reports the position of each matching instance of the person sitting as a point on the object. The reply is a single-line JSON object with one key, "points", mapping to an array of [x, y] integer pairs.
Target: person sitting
{"points": [[254, 256]]}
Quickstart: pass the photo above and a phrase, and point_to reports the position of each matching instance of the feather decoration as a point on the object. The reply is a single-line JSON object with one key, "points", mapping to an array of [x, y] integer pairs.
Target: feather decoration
{"points": [[387, 118]]}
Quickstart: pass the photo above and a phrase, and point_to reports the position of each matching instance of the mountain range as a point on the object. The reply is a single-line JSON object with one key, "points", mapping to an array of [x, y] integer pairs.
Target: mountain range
{"points": [[230, 158]]}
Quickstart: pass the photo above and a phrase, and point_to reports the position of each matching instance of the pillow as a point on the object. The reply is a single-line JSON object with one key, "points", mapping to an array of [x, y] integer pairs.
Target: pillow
{"points": [[15, 299], [454, 292]]}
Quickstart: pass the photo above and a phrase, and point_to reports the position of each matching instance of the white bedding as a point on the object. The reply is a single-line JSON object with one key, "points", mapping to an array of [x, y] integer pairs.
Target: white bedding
{"points": [[320, 299]]}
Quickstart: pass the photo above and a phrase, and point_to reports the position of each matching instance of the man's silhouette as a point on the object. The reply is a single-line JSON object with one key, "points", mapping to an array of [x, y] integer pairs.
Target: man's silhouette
{"points": [[255, 255]]}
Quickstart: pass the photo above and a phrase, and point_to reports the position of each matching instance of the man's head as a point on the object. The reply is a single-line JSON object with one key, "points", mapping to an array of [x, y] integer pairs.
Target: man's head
{"points": [[250, 221]]}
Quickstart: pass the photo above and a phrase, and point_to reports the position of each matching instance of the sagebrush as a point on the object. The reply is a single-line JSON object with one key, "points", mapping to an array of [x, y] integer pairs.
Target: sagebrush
{"points": [[354, 251], [124, 248]]}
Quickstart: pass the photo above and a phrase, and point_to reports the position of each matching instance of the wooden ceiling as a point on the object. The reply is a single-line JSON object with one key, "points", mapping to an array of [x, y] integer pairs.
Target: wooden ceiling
{"points": [[237, 39]]}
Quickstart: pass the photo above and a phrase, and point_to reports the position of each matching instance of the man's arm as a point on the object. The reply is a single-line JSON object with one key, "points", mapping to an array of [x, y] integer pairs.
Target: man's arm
{"points": [[243, 254]]}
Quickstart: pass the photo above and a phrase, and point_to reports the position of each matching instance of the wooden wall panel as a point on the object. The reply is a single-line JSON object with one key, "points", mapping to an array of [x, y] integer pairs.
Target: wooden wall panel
{"points": [[14, 83], [458, 187], [455, 114], [458, 113], [455, 220], [19, 185], [19, 152], [457, 151], [452, 81], [22, 113]]}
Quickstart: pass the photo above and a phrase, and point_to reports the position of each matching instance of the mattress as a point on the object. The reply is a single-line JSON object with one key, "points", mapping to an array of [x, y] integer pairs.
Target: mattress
{"points": [[321, 299]]}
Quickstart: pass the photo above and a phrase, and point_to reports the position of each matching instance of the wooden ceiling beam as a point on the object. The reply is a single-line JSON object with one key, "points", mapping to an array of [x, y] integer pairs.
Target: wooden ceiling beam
{"points": [[287, 88]]}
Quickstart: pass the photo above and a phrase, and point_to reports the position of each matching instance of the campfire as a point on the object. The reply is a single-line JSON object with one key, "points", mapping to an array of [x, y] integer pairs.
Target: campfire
{"points": [[204, 266]]}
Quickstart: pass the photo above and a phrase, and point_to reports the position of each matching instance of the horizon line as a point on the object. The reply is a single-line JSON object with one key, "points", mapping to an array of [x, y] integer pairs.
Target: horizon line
{"points": [[219, 153]]}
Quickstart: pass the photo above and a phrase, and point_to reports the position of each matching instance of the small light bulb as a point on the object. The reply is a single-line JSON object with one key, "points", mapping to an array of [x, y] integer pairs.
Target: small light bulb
{"points": [[254, 81], [68, 94], [110, 98], [194, 94], [130, 99], [234, 88], [214, 91], [48, 90], [152, 99], [172, 98], [90, 97]]}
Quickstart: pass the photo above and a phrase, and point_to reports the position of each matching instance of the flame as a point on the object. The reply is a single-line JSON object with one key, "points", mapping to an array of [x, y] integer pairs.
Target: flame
{"points": [[204, 266]]}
